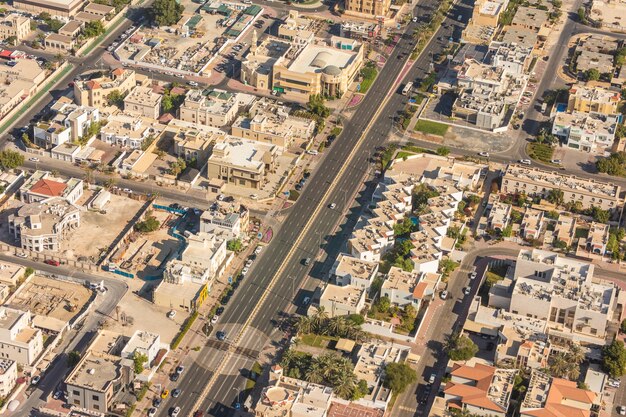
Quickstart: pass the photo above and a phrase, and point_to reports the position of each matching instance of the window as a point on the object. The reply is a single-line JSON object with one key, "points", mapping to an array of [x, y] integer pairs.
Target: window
{"points": [[95, 397], [76, 392], [95, 406]]}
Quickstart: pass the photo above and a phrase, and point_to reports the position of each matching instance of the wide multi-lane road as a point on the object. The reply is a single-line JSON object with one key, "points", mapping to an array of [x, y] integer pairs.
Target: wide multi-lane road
{"points": [[279, 281]]}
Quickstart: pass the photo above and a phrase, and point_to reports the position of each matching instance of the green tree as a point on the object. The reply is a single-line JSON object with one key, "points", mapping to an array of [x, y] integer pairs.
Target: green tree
{"points": [[582, 15], [93, 29], [398, 376], [167, 104], [150, 224], [139, 359], [614, 358], [459, 348], [166, 12], [360, 391], [72, 358], [443, 151], [592, 74], [599, 215], [555, 196], [115, 98], [11, 159], [383, 304], [234, 245]]}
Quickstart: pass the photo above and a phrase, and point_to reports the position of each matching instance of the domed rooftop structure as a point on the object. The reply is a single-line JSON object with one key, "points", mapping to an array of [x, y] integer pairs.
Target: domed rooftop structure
{"points": [[332, 70], [322, 59]]}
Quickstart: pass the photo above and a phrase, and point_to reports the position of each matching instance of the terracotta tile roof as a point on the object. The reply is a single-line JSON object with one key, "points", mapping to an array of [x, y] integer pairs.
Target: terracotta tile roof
{"points": [[478, 393], [49, 188], [118, 71], [561, 391], [92, 85], [418, 291]]}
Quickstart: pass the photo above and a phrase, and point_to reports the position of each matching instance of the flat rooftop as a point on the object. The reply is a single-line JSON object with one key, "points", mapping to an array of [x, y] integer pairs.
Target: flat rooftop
{"points": [[314, 58]]}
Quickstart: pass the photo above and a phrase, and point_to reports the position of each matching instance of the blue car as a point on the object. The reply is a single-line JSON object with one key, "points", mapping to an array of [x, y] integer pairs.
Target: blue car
{"points": [[221, 336]]}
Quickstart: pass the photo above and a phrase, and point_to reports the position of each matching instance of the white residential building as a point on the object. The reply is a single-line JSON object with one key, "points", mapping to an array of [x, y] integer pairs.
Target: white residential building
{"points": [[348, 270], [588, 132], [143, 343], [19, 341], [8, 376]]}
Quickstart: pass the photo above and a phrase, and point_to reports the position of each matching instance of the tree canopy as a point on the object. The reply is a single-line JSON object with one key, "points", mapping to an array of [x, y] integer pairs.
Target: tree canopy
{"points": [[166, 12], [93, 29], [11, 159], [460, 348], [150, 224], [614, 358], [398, 376]]}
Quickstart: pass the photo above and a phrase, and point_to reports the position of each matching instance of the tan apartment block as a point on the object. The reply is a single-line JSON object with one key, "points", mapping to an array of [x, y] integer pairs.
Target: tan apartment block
{"points": [[586, 99], [242, 162], [94, 92], [143, 101], [61, 8], [14, 25], [536, 181]]}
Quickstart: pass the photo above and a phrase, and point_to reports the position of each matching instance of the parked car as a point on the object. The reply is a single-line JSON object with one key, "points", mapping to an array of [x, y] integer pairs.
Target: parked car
{"points": [[52, 262], [20, 255], [180, 369], [33, 159], [220, 335], [175, 411], [176, 393], [156, 403], [621, 410], [312, 152], [192, 83], [306, 261], [165, 394], [467, 290], [485, 154], [152, 412], [306, 301], [215, 319], [556, 161], [171, 314], [525, 161], [443, 295], [431, 379]]}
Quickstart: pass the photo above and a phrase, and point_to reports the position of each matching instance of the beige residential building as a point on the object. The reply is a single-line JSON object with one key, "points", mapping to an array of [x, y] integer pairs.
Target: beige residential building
{"points": [[499, 216], [535, 181], [529, 18], [192, 141], [129, 131], [99, 9], [271, 123], [596, 241], [554, 397], [368, 9], [242, 162], [71, 28], [44, 226], [587, 99], [55, 41], [19, 341], [94, 92], [99, 375], [532, 223], [18, 82], [292, 397], [342, 300], [14, 25], [215, 108], [61, 8], [348, 270], [563, 293], [565, 229], [143, 101]]}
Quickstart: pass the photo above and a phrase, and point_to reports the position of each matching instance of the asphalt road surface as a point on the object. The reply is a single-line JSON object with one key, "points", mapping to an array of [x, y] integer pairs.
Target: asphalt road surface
{"points": [[293, 283]]}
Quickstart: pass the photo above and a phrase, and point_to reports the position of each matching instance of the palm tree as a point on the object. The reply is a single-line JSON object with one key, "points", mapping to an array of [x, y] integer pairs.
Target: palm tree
{"points": [[559, 365], [336, 326], [315, 373], [304, 325], [319, 319]]}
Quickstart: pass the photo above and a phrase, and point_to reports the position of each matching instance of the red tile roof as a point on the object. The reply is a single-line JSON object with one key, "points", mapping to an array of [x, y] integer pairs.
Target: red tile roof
{"points": [[92, 85], [49, 188], [563, 391], [477, 394]]}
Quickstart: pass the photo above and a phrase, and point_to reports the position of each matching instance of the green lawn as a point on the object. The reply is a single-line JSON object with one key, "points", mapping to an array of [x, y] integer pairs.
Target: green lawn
{"points": [[369, 74], [433, 128], [36, 97], [316, 340], [540, 151]]}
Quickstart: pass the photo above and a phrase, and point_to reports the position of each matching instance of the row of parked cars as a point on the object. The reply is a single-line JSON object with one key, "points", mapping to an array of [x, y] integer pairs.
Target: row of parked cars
{"points": [[121, 38]]}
